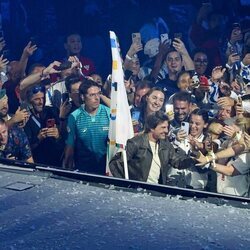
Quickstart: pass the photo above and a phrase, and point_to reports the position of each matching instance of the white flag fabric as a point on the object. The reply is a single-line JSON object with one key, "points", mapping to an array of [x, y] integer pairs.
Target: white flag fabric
{"points": [[120, 128]]}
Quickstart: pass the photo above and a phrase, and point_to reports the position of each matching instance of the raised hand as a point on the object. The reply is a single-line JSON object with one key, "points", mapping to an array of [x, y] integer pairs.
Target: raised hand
{"points": [[230, 131], [179, 46], [134, 48], [21, 115], [29, 49], [233, 58], [50, 69], [246, 59], [53, 132], [3, 63], [65, 109], [217, 73], [225, 101], [236, 35]]}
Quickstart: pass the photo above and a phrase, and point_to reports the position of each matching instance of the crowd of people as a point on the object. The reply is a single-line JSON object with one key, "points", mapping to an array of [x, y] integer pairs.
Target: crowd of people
{"points": [[190, 111]]}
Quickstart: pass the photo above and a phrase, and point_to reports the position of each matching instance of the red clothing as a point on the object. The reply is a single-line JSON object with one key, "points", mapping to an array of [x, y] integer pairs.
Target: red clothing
{"points": [[203, 38], [88, 66]]}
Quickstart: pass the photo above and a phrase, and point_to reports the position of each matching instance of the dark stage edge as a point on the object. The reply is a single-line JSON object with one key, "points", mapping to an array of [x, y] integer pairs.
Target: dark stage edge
{"points": [[46, 208]]}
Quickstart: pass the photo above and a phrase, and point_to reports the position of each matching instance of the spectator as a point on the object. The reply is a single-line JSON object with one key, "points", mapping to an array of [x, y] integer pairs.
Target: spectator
{"points": [[154, 101], [42, 130], [238, 167], [192, 177], [20, 117], [207, 31], [176, 58], [15, 73], [14, 143], [88, 126], [182, 108], [201, 62], [73, 47]]}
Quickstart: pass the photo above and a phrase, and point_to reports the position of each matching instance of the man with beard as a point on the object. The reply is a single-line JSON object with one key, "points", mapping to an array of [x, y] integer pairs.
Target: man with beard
{"points": [[41, 129], [182, 108]]}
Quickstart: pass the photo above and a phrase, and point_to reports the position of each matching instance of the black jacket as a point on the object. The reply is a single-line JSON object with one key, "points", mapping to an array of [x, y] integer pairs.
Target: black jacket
{"points": [[139, 156]]}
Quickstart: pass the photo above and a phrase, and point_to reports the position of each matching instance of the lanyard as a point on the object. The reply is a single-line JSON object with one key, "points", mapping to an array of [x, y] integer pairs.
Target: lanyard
{"points": [[36, 121]]}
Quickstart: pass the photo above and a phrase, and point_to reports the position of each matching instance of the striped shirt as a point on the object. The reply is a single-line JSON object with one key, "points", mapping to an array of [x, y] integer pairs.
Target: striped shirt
{"points": [[88, 135]]}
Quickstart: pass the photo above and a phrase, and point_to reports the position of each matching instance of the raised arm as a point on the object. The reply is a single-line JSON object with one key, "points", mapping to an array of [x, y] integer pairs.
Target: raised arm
{"points": [[33, 79], [187, 60]]}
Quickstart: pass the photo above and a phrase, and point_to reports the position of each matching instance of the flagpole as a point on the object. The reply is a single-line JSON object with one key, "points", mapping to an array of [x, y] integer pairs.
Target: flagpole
{"points": [[120, 126], [125, 164]]}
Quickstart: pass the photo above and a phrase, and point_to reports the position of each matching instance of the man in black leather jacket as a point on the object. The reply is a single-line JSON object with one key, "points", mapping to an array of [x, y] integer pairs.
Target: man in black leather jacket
{"points": [[150, 154]]}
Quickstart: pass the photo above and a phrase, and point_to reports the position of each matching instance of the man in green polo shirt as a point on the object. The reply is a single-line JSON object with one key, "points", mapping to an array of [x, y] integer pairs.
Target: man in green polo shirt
{"points": [[88, 126]]}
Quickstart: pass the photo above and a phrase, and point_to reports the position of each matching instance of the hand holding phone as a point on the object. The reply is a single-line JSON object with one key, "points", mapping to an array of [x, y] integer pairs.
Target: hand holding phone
{"points": [[185, 127], [164, 37], [63, 66], [136, 38]]}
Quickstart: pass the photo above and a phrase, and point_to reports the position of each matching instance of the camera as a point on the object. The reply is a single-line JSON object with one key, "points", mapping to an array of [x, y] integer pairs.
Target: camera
{"points": [[63, 66]]}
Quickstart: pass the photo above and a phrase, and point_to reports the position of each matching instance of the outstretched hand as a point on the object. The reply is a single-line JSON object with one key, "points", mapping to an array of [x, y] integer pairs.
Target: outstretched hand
{"points": [[134, 49], [29, 49], [217, 73], [3, 63], [179, 46]]}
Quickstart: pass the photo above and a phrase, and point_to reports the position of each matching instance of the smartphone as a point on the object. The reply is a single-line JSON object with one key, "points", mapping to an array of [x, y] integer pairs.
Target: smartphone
{"points": [[185, 127], [239, 102], [203, 81], [233, 50], [50, 123], [164, 37], [136, 38], [135, 115], [24, 105], [6, 53], [65, 97], [169, 108], [127, 74], [178, 35], [63, 66], [236, 26], [33, 41]]}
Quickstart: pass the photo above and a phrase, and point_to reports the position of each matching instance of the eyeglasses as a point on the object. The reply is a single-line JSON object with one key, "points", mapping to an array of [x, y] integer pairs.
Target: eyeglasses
{"points": [[94, 95], [205, 62], [37, 89]]}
